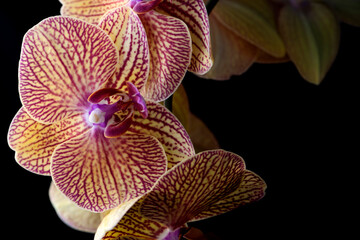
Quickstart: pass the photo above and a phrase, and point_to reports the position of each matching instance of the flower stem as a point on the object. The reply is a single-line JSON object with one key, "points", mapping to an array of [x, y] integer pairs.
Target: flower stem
{"points": [[210, 5]]}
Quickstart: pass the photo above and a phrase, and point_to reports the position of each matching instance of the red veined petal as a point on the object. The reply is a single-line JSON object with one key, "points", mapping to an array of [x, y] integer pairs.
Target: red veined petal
{"points": [[194, 14], [252, 188], [192, 187], [35, 142], [129, 224], [63, 60], [170, 48], [165, 127], [89, 10], [127, 32], [99, 173]]}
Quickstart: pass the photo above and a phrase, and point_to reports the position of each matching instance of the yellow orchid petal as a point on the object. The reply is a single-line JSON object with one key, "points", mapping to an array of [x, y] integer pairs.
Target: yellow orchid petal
{"points": [[254, 21], [194, 15], [312, 37], [35, 142], [252, 188], [125, 29], [77, 218], [63, 60], [170, 48], [112, 219], [89, 10], [232, 54], [347, 10], [129, 224], [165, 127], [99, 173], [192, 187]]}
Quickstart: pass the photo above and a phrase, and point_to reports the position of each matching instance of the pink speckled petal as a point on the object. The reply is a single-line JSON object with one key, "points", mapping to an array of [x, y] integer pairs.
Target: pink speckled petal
{"points": [[170, 48], [126, 30], [63, 60], [99, 173]]}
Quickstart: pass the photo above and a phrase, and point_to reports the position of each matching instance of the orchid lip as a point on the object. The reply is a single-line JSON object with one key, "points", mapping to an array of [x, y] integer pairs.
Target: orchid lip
{"points": [[115, 118]]}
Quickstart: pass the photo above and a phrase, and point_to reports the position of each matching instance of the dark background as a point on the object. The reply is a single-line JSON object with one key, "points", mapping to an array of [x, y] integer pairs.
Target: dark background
{"points": [[301, 139]]}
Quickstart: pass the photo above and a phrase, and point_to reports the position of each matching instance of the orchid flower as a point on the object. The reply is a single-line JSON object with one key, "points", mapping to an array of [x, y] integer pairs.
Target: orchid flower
{"points": [[102, 146], [177, 33], [205, 185]]}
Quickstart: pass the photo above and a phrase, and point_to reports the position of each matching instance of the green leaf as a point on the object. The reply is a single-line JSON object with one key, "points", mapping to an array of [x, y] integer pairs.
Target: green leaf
{"points": [[311, 35]]}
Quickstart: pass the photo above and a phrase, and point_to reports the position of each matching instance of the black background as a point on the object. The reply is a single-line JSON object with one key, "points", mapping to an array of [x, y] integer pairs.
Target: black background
{"points": [[300, 138]]}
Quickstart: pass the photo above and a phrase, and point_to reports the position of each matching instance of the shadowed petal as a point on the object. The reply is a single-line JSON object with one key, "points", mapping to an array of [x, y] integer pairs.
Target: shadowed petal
{"points": [[99, 173], [35, 142], [170, 48], [128, 223], [125, 29], [63, 60], [89, 10], [312, 38], [232, 54], [165, 127], [252, 188], [254, 21], [75, 217], [192, 187], [193, 13], [347, 10]]}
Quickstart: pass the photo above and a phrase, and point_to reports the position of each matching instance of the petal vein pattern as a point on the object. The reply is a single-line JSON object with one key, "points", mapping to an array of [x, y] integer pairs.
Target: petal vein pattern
{"points": [[89, 10], [99, 173], [194, 14], [165, 127], [170, 47], [252, 188], [125, 29], [63, 60], [192, 186], [34, 142]]}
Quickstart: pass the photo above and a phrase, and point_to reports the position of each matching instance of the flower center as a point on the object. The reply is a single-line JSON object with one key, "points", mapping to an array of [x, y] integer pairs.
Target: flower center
{"points": [[143, 6], [113, 109]]}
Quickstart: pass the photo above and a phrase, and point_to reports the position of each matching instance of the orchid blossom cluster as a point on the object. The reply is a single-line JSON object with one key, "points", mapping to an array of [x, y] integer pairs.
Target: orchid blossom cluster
{"points": [[91, 83]]}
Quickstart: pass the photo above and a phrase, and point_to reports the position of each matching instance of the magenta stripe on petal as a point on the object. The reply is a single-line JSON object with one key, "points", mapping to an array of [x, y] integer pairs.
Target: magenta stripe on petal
{"points": [[192, 187], [63, 60], [35, 142], [99, 173], [194, 14], [125, 29], [164, 126], [170, 48]]}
